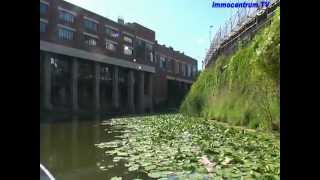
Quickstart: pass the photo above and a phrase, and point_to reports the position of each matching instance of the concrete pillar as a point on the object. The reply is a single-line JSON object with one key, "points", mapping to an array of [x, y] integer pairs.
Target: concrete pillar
{"points": [[74, 84], [131, 91], [115, 87], [141, 92], [47, 82], [150, 90], [96, 88], [63, 95]]}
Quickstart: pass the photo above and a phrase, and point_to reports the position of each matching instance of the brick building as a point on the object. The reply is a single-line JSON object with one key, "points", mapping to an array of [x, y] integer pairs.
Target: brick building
{"points": [[91, 63]]}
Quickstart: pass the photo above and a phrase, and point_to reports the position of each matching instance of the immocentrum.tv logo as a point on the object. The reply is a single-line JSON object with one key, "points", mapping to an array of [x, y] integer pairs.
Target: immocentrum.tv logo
{"points": [[260, 4]]}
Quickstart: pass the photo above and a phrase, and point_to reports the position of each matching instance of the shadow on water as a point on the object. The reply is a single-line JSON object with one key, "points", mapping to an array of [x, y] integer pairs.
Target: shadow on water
{"points": [[67, 148]]}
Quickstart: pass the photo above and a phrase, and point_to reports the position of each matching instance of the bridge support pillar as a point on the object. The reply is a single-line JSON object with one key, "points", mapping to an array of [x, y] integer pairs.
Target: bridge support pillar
{"points": [[115, 88], [141, 93], [131, 91], [96, 87], [74, 84], [150, 90], [47, 82]]}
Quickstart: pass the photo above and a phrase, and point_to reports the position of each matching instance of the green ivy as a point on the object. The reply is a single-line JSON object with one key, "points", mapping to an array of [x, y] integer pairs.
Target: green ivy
{"points": [[243, 88]]}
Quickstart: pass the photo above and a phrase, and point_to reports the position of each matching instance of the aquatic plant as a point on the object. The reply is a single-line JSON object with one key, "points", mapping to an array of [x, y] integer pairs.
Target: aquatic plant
{"points": [[181, 147]]}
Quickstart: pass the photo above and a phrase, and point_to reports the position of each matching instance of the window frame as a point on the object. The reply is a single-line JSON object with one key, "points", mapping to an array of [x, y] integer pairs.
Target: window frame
{"points": [[127, 39], [45, 22], [89, 27], [63, 36], [162, 60], [111, 31], [63, 17], [129, 47], [45, 4], [90, 41], [44, 27], [115, 44]]}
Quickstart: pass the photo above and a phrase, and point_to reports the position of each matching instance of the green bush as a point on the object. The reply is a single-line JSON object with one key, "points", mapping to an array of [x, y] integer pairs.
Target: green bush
{"points": [[243, 88]]}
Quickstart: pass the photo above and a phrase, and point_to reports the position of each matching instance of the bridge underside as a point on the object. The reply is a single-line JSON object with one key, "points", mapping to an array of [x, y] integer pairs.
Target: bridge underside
{"points": [[72, 84]]}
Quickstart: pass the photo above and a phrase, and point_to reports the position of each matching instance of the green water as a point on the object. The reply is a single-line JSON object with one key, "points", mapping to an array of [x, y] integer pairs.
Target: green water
{"points": [[67, 149]]}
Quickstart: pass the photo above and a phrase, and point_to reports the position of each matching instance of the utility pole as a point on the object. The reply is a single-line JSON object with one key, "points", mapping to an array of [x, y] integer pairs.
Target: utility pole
{"points": [[210, 32]]}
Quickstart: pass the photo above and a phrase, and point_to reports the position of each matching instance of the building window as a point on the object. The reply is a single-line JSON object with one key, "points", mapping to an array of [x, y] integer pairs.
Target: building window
{"points": [[112, 46], [112, 33], [43, 8], [150, 56], [127, 39], [169, 65], [149, 52], [90, 25], [149, 47], [90, 41], [189, 70], [65, 34], [177, 67], [194, 71], [182, 68], [156, 57], [66, 16], [127, 50], [162, 62], [43, 26]]}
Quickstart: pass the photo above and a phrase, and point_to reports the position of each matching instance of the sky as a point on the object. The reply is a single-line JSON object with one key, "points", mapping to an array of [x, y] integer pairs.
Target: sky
{"points": [[181, 24]]}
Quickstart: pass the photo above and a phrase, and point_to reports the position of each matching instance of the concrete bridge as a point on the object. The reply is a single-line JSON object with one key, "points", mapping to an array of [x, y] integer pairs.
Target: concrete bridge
{"points": [[240, 28], [71, 83], [89, 63]]}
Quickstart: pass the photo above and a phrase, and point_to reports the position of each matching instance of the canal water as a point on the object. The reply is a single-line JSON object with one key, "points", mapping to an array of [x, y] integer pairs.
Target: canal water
{"points": [[67, 149]]}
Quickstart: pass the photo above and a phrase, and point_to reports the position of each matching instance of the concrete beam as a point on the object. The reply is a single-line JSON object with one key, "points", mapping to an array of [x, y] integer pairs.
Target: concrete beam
{"points": [[179, 79], [65, 50]]}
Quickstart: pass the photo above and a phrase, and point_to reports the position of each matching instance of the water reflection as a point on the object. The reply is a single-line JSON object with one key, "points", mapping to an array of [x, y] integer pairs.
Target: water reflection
{"points": [[67, 148], [60, 147]]}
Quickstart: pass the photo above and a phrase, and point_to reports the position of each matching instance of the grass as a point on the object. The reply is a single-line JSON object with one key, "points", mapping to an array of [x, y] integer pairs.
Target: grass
{"points": [[243, 88]]}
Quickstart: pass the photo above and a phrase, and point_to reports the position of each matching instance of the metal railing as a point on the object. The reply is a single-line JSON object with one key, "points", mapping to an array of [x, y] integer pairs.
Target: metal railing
{"points": [[234, 25]]}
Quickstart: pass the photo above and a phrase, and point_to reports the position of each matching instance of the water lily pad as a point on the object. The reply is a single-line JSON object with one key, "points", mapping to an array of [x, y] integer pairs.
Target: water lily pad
{"points": [[134, 167], [156, 174], [116, 178], [151, 167]]}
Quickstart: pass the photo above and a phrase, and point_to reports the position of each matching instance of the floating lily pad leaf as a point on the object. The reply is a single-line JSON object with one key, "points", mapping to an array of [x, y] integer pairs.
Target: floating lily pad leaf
{"points": [[110, 166], [103, 168], [226, 161], [156, 174], [151, 167], [174, 143], [133, 168], [122, 154], [116, 178], [117, 159]]}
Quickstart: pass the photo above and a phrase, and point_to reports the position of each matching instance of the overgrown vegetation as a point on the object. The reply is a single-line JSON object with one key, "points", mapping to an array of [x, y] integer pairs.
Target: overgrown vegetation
{"points": [[244, 88], [179, 147]]}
